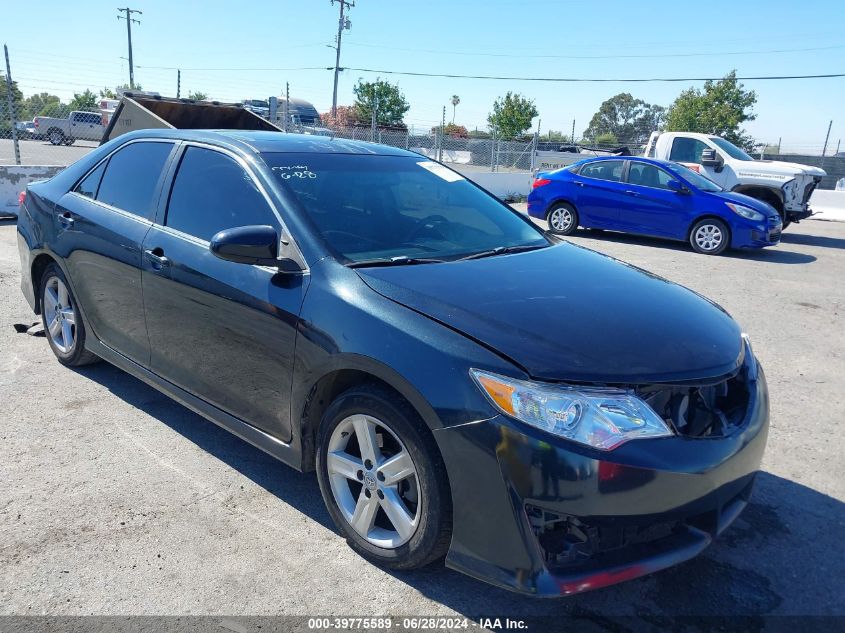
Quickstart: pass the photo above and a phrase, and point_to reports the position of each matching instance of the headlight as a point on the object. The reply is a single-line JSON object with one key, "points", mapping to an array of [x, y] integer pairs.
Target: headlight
{"points": [[602, 418], [746, 212]]}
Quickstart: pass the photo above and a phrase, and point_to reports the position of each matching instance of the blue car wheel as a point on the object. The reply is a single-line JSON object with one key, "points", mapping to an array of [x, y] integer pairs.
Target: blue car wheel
{"points": [[562, 219], [709, 236]]}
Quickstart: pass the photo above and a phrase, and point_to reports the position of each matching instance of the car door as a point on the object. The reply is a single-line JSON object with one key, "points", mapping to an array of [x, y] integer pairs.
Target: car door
{"points": [[653, 208], [100, 227], [221, 330], [688, 151], [600, 193]]}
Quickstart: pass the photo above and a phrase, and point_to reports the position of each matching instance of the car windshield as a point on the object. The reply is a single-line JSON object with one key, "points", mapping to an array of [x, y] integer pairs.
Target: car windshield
{"points": [[694, 178], [369, 207], [730, 149]]}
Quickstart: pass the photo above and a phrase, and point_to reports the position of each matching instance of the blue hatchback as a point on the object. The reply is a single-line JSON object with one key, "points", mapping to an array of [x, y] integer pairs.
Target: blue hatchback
{"points": [[652, 197]]}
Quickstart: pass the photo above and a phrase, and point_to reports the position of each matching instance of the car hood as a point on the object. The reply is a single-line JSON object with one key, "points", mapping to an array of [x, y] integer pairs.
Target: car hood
{"points": [[568, 313], [747, 201], [775, 168]]}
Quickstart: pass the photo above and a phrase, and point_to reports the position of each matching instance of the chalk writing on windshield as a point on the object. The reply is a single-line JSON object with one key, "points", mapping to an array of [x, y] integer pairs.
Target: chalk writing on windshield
{"points": [[286, 172]]}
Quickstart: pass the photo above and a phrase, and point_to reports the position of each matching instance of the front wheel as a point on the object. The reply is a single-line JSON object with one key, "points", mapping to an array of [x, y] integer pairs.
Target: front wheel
{"points": [[709, 236], [563, 219], [383, 480]]}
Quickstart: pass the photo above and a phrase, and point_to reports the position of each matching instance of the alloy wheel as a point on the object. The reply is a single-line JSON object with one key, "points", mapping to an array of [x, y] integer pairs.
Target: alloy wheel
{"points": [[708, 237], [374, 481], [561, 219], [59, 315]]}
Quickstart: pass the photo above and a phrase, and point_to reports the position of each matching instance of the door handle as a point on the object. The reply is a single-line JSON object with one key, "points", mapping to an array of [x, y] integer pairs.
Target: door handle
{"points": [[157, 258], [66, 219], [579, 184], [631, 193]]}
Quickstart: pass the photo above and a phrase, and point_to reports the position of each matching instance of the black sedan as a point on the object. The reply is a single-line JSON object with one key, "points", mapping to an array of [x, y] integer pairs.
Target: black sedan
{"points": [[548, 419]]}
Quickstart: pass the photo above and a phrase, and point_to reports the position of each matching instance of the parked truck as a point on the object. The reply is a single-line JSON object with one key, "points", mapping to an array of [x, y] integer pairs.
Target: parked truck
{"points": [[84, 126], [785, 186]]}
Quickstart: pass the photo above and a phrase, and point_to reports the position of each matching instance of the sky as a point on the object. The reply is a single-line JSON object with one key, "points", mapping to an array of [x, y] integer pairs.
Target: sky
{"points": [[238, 50]]}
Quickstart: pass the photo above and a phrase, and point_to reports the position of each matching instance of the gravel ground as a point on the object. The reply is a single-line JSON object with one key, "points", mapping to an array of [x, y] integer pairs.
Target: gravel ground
{"points": [[115, 500]]}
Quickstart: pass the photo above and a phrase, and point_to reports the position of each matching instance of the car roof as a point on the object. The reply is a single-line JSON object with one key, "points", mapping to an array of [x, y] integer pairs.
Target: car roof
{"points": [[263, 141], [641, 159]]}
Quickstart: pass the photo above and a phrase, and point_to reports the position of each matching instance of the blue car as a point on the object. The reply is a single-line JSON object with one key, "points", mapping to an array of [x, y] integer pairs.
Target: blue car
{"points": [[652, 197]]}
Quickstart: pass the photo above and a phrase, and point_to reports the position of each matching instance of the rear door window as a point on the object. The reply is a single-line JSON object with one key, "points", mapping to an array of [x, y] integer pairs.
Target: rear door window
{"points": [[603, 170], [130, 182], [212, 192]]}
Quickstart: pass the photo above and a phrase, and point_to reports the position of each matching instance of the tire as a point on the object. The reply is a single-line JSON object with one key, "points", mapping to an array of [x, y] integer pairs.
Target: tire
{"points": [[56, 137], [62, 320], [355, 490], [709, 236], [562, 219], [70, 141]]}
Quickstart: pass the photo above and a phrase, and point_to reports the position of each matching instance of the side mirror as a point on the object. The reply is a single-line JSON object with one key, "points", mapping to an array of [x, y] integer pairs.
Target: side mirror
{"points": [[677, 187], [711, 158], [251, 245]]}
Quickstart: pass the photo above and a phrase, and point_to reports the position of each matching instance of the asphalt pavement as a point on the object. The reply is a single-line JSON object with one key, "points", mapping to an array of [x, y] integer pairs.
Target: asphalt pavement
{"points": [[116, 500]]}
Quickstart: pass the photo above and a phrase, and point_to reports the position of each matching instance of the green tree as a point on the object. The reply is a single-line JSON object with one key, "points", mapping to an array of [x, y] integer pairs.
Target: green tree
{"points": [[511, 115], [18, 111], [389, 102], [109, 93], [197, 95], [84, 101], [42, 104], [607, 138], [629, 120], [455, 101], [720, 109]]}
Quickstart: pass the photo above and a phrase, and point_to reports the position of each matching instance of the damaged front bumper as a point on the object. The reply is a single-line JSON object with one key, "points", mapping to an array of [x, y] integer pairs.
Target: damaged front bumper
{"points": [[539, 515]]}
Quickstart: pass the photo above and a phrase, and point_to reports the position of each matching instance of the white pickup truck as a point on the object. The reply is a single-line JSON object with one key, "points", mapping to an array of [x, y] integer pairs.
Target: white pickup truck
{"points": [[785, 186], [85, 126]]}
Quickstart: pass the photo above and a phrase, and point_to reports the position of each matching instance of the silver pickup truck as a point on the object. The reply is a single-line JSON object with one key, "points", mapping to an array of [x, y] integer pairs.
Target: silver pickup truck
{"points": [[84, 126]]}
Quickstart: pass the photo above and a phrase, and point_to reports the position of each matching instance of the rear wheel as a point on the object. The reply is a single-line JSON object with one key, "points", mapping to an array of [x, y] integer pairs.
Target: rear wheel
{"points": [[709, 236], [562, 219], [63, 325], [383, 480], [56, 137]]}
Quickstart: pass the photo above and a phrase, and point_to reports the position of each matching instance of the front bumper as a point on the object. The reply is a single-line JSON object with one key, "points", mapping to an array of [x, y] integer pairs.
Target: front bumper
{"points": [[757, 235], [509, 480]]}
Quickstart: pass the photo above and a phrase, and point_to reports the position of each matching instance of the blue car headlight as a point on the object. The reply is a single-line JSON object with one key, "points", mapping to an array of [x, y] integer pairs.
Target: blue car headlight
{"points": [[601, 418], [747, 212]]}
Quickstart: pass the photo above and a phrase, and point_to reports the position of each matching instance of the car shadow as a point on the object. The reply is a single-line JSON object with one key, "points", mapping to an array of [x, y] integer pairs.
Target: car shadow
{"points": [[812, 240], [768, 561], [774, 255]]}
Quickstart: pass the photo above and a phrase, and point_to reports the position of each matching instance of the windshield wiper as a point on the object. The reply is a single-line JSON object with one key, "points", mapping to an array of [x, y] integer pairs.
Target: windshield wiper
{"points": [[502, 250], [403, 260]]}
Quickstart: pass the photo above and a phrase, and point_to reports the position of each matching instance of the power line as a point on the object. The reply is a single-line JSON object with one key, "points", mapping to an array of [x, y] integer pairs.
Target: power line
{"points": [[638, 56], [588, 79]]}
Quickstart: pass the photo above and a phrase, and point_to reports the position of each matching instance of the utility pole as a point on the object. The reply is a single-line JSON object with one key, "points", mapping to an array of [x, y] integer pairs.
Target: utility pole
{"points": [[826, 138], [129, 20], [839, 142], [11, 103], [780, 138], [342, 23], [178, 82], [287, 104], [572, 138]]}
